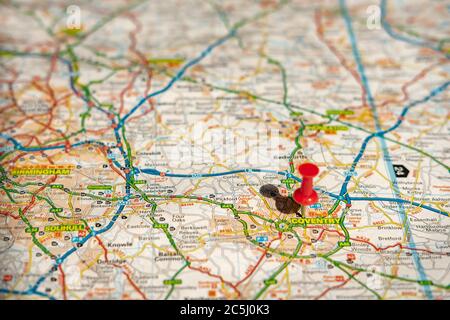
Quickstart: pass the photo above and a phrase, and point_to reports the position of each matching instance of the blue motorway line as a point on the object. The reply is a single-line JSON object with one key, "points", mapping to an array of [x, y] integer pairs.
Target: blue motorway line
{"points": [[179, 74], [386, 155], [413, 41], [27, 293], [155, 172], [400, 201]]}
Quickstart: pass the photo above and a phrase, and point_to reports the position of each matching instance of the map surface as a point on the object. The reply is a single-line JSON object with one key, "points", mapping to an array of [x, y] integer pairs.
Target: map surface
{"points": [[135, 137]]}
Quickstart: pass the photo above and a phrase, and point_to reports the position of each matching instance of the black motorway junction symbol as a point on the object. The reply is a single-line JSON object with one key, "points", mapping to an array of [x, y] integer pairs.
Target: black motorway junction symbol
{"points": [[400, 171]]}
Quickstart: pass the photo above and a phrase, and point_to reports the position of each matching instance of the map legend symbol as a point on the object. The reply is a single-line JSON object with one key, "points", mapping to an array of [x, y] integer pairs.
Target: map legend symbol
{"points": [[306, 195]]}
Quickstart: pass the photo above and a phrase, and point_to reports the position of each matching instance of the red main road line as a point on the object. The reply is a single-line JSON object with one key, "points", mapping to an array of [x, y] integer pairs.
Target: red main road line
{"points": [[337, 286], [398, 244], [138, 290], [218, 277], [63, 281], [259, 261], [9, 214]]}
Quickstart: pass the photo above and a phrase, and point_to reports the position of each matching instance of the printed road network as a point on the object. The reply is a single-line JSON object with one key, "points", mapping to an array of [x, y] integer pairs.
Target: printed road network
{"points": [[111, 188]]}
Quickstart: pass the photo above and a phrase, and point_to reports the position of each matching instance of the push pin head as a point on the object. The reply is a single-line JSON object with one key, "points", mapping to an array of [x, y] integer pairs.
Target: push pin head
{"points": [[306, 195]]}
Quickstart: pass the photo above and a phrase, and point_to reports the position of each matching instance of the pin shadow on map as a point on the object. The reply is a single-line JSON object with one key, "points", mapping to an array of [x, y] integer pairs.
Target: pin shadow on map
{"points": [[283, 204]]}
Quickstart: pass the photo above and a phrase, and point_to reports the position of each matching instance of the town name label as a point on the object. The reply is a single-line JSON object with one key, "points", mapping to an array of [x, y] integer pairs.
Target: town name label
{"points": [[303, 221], [64, 227], [36, 171]]}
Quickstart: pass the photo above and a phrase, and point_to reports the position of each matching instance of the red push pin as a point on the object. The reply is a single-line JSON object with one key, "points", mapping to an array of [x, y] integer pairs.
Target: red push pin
{"points": [[306, 195]]}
